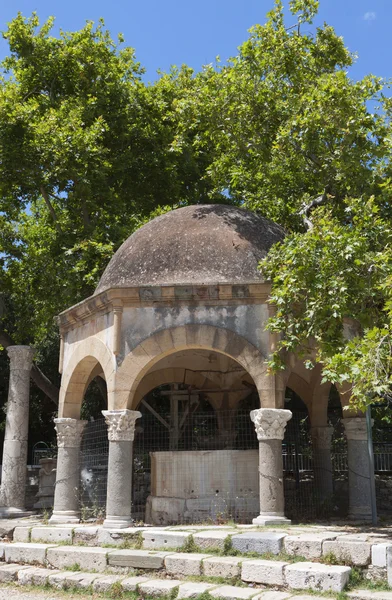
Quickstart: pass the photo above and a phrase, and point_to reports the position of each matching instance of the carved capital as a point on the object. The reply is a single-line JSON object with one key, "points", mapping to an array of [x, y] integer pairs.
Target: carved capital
{"points": [[270, 423], [69, 432], [21, 357], [356, 428], [321, 437], [121, 424]]}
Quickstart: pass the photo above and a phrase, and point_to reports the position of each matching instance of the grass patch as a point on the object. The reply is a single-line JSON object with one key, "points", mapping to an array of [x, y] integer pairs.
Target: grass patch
{"points": [[75, 567]]}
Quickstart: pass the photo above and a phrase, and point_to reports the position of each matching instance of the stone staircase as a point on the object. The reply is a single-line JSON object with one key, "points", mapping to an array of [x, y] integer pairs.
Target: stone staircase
{"points": [[225, 563]]}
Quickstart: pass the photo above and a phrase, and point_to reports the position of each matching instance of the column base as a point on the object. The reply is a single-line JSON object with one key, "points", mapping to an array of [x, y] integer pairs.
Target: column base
{"points": [[64, 517], [264, 520], [117, 522], [360, 517]]}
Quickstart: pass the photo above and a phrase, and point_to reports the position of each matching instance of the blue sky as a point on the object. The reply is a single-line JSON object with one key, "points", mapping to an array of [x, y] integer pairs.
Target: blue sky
{"points": [[166, 32]]}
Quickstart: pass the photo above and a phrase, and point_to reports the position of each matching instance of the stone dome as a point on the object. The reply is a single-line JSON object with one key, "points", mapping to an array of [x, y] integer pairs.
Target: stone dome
{"points": [[200, 244]]}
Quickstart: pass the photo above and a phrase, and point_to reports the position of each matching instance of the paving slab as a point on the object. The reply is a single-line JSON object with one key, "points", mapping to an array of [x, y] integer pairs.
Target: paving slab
{"points": [[222, 566], [268, 572], [158, 587], [34, 576], [130, 583], [51, 534], [212, 539], [88, 559], [9, 572], [194, 589], [59, 579], [159, 540], [22, 534], [80, 581], [137, 559], [369, 595], [379, 554], [353, 552], [116, 537], [261, 542], [29, 553], [308, 545], [86, 535], [316, 577], [232, 592], [104, 584], [272, 595], [183, 565]]}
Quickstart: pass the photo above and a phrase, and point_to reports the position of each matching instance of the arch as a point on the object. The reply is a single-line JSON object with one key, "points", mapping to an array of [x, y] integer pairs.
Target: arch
{"points": [[85, 358], [140, 360]]}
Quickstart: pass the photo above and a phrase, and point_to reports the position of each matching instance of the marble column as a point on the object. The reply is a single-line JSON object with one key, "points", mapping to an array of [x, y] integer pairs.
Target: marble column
{"points": [[13, 477], [66, 493], [270, 424], [359, 481], [322, 461], [121, 433]]}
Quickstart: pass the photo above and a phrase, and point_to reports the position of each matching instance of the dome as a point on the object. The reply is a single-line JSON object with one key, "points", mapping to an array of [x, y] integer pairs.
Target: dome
{"points": [[200, 244]]}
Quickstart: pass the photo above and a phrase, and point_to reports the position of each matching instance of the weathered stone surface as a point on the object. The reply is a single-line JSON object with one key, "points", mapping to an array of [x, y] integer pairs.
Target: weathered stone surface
{"points": [[59, 579], [314, 576], [270, 572], [10, 572], [22, 534], [185, 564], [130, 583], [211, 539], [231, 592], [2, 551], [51, 534], [379, 554], [193, 589], [104, 584], [137, 559], [80, 581], [272, 595], [389, 565], [222, 566], [154, 539], [89, 559], [32, 554], [308, 545], [85, 535], [115, 537], [34, 576], [369, 595], [159, 587], [351, 552], [261, 542]]}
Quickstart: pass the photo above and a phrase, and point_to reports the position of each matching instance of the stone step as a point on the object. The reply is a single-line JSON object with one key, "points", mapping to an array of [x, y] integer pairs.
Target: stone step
{"points": [[144, 586], [369, 595], [180, 565]]}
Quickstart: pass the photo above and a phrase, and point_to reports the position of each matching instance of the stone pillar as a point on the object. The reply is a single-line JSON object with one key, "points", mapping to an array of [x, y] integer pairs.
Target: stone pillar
{"points": [[359, 491], [322, 462], [13, 478], [66, 492], [270, 424], [121, 433]]}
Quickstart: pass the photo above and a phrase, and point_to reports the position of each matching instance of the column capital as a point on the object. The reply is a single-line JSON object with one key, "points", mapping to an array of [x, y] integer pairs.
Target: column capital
{"points": [[121, 424], [322, 436], [21, 357], [270, 423], [356, 428], [69, 432]]}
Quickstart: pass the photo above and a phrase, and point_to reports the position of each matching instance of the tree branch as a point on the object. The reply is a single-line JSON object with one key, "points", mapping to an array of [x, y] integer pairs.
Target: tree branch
{"points": [[48, 203], [307, 208]]}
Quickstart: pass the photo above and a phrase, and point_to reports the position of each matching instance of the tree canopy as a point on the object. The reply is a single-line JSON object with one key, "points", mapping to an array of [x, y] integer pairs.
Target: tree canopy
{"points": [[90, 151]]}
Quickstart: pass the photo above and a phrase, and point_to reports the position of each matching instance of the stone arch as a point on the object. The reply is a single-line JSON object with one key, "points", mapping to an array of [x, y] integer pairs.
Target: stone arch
{"points": [[83, 363], [140, 360]]}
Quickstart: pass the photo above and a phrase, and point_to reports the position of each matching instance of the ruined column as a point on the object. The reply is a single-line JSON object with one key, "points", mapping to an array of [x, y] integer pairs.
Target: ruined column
{"points": [[13, 478], [359, 482], [66, 492], [322, 461], [270, 424], [121, 433]]}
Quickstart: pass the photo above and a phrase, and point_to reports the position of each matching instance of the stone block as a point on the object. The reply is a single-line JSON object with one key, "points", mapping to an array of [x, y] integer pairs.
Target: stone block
{"points": [[185, 564], [10, 572], [88, 559], [34, 576], [389, 566], [158, 587], [159, 540], [52, 535], [104, 584], [32, 554], [222, 566], [58, 579], [211, 539], [21, 534], [261, 542], [269, 572], [137, 559], [350, 552], [193, 589], [86, 535], [308, 545], [2, 549], [231, 592], [80, 581], [130, 583], [368, 595], [379, 555], [115, 537], [316, 577], [272, 595]]}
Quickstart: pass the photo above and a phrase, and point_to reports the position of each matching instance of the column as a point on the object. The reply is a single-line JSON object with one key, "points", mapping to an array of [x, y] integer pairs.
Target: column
{"points": [[322, 462], [359, 490], [13, 478], [66, 492], [121, 433], [270, 424]]}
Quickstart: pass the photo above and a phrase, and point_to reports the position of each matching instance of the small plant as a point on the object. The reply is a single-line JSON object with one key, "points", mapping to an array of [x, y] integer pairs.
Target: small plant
{"points": [[330, 559], [190, 545], [228, 549], [356, 578], [116, 590], [46, 514], [75, 567]]}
